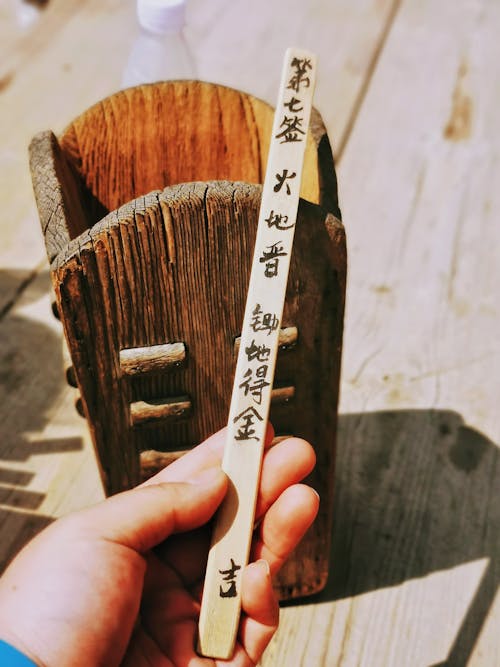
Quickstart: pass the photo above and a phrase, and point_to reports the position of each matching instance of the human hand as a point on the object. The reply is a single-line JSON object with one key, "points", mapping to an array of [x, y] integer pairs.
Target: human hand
{"points": [[120, 583]]}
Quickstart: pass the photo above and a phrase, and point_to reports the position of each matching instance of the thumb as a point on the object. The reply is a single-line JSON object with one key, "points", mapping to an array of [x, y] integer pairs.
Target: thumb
{"points": [[145, 516]]}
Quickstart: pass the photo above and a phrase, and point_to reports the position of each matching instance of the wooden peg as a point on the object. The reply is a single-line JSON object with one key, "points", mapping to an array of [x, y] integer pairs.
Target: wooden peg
{"points": [[287, 339], [152, 359], [151, 412]]}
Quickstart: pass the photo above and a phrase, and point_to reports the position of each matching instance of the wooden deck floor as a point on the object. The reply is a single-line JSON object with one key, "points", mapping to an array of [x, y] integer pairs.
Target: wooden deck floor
{"points": [[409, 91]]}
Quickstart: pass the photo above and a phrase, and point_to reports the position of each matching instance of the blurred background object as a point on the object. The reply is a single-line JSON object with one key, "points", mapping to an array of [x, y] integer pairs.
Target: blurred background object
{"points": [[160, 51]]}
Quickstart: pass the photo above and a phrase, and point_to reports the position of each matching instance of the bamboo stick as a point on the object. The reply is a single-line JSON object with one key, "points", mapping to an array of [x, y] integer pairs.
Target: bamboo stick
{"points": [[252, 389]]}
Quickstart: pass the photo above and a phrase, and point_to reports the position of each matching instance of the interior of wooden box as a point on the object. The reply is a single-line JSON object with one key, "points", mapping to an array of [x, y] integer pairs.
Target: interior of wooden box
{"points": [[145, 138]]}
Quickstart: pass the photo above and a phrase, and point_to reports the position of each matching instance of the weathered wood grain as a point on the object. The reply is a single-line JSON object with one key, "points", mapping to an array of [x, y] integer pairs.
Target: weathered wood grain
{"points": [[124, 283], [58, 194], [111, 300]]}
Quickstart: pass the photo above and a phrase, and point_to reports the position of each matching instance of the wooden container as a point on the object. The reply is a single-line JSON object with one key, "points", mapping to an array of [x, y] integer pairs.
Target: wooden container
{"points": [[148, 204]]}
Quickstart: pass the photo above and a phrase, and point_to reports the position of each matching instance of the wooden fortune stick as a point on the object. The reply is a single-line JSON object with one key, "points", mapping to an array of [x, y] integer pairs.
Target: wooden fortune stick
{"points": [[251, 396]]}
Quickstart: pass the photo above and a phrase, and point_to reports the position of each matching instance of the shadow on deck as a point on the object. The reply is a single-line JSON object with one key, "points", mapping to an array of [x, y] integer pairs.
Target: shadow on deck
{"points": [[31, 379], [415, 494]]}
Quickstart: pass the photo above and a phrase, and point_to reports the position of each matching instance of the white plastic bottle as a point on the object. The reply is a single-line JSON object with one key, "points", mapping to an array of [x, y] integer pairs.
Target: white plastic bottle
{"points": [[160, 51]]}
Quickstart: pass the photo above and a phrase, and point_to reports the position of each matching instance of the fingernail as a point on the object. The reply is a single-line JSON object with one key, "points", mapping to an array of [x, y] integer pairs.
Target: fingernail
{"points": [[265, 565]]}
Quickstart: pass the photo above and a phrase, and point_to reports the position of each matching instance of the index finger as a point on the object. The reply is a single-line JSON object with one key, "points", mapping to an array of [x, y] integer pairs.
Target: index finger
{"points": [[206, 455]]}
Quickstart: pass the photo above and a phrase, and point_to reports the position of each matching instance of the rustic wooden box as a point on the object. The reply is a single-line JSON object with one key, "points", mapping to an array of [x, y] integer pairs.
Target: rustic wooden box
{"points": [[148, 203]]}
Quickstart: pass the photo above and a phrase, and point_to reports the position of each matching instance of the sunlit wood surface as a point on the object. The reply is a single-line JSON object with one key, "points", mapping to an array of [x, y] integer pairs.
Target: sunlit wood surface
{"points": [[410, 93]]}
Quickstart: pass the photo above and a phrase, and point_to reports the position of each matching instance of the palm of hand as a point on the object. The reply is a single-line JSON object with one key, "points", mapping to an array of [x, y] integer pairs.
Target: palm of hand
{"points": [[120, 583], [166, 634]]}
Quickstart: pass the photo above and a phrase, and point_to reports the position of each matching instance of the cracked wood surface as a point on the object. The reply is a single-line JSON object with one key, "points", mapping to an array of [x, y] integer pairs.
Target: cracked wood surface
{"points": [[410, 93]]}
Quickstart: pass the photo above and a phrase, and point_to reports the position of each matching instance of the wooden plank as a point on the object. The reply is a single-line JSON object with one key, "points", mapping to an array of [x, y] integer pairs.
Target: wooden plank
{"points": [[29, 106], [345, 35], [47, 467], [416, 558]]}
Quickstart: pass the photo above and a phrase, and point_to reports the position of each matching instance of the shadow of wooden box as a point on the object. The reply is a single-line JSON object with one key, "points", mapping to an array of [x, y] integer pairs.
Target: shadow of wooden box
{"points": [[148, 203]]}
